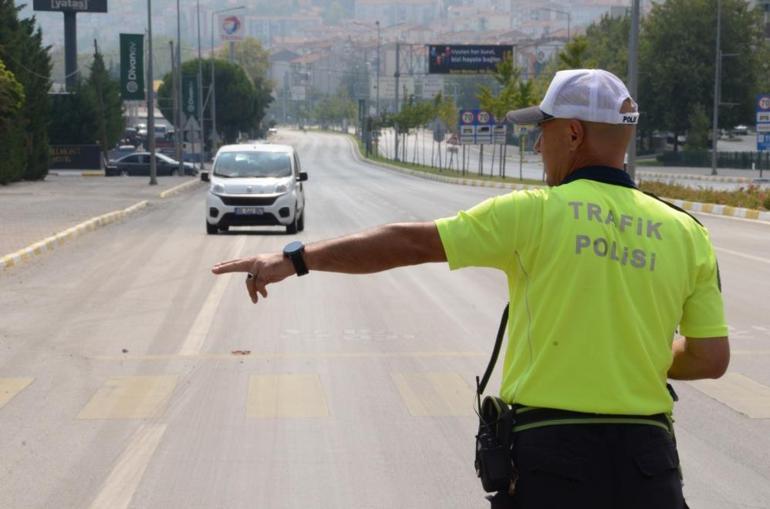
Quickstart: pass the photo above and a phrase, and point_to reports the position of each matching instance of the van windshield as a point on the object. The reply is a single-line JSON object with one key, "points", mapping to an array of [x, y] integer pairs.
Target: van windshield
{"points": [[253, 164]]}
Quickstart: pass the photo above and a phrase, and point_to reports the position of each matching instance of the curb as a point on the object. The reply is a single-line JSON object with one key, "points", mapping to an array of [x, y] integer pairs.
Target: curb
{"points": [[50, 243], [706, 208], [179, 188], [688, 176], [77, 174], [721, 210]]}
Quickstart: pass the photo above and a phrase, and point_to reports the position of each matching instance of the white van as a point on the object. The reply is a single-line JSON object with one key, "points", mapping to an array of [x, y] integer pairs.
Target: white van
{"points": [[256, 185]]}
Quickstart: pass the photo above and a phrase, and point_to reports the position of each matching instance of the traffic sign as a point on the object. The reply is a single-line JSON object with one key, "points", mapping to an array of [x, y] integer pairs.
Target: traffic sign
{"points": [[763, 122], [476, 127], [763, 142]]}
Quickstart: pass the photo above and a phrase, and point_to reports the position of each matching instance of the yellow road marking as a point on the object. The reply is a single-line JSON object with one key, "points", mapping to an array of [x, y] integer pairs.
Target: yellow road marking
{"points": [[434, 394], [10, 387], [196, 336], [284, 395], [740, 393], [289, 355], [119, 488], [130, 397]]}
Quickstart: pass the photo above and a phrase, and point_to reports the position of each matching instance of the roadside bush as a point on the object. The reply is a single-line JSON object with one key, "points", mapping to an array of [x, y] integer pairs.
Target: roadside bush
{"points": [[751, 197]]}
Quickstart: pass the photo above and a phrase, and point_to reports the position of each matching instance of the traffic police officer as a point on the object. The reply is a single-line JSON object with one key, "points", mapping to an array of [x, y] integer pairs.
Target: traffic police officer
{"points": [[601, 276]]}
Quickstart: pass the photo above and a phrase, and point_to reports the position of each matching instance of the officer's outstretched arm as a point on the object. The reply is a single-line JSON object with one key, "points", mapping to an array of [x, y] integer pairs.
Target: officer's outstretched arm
{"points": [[375, 250], [696, 358]]}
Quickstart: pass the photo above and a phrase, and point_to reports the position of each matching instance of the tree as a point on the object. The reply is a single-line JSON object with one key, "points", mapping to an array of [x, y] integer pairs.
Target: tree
{"points": [[677, 62], [240, 103], [25, 56], [698, 133], [11, 150], [252, 57], [107, 104], [575, 54]]}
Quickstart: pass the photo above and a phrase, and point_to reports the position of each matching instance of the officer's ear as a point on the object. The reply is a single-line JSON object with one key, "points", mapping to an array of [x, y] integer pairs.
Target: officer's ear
{"points": [[576, 134]]}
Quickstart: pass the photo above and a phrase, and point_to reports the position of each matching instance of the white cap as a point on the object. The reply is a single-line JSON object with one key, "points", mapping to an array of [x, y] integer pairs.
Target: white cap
{"points": [[593, 95]]}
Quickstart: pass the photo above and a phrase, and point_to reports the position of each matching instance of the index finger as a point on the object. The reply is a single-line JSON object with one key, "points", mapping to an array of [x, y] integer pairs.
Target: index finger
{"points": [[240, 265]]}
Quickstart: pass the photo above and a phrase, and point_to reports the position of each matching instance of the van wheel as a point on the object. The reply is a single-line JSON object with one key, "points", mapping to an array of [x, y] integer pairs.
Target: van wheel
{"points": [[211, 229], [293, 227], [301, 222]]}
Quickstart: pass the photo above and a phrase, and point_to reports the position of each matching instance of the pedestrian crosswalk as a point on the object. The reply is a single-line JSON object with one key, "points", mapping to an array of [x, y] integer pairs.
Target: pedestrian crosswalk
{"points": [[301, 395]]}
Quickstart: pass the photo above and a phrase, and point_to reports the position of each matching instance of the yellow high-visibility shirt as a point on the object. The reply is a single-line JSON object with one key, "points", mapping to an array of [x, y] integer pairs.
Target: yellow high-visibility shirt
{"points": [[600, 277]]}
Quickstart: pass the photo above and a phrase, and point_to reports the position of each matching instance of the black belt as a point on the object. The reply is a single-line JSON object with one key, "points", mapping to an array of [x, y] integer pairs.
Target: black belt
{"points": [[531, 417]]}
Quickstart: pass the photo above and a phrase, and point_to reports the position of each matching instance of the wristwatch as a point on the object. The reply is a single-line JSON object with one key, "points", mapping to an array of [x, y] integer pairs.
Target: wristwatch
{"points": [[295, 252]]}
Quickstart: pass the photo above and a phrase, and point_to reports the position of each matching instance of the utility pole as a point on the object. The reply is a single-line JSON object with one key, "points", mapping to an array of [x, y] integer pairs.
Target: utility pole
{"points": [[717, 79], [174, 88], [214, 134], [200, 88], [178, 129], [397, 75], [151, 100], [633, 81], [379, 43]]}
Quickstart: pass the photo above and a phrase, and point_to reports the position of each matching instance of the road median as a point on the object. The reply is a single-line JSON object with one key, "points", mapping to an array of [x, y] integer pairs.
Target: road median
{"points": [[692, 206], [50, 243]]}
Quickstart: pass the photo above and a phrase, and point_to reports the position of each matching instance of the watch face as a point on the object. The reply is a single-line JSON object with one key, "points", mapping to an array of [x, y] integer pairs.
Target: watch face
{"points": [[293, 247]]}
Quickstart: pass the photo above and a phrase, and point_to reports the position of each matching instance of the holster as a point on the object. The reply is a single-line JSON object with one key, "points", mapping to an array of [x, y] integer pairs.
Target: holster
{"points": [[494, 443]]}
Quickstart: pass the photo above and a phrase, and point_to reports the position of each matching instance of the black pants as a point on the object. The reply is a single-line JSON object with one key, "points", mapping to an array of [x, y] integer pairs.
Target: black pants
{"points": [[595, 466]]}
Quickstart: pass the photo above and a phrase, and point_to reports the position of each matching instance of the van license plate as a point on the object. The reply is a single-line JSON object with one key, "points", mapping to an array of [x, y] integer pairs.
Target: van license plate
{"points": [[249, 211]]}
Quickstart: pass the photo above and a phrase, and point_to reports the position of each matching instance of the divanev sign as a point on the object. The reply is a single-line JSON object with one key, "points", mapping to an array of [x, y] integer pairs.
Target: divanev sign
{"points": [[70, 5], [132, 67]]}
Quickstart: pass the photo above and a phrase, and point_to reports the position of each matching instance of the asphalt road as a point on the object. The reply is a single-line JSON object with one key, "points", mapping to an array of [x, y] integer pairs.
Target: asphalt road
{"points": [[132, 377]]}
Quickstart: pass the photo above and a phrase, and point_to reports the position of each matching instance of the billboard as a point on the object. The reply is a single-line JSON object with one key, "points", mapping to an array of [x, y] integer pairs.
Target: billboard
{"points": [[231, 28], [70, 5], [466, 59], [132, 67], [763, 122], [76, 157]]}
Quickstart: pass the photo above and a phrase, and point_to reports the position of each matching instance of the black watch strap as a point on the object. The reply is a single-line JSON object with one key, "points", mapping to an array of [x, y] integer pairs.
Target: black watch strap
{"points": [[295, 252]]}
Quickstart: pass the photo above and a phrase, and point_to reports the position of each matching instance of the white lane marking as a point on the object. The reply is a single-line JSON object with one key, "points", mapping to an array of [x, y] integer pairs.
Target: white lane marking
{"points": [[119, 488], [196, 336], [732, 218], [742, 255], [740, 393]]}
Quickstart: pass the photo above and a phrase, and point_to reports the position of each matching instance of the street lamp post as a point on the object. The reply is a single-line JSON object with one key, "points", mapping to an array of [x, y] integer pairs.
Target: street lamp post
{"points": [[379, 43], [214, 135], [566, 13], [717, 79], [150, 100], [200, 85], [178, 90], [633, 80]]}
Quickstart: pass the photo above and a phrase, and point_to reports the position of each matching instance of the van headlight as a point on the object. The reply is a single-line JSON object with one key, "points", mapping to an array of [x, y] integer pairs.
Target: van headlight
{"points": [[218, 189], [281, 188]]}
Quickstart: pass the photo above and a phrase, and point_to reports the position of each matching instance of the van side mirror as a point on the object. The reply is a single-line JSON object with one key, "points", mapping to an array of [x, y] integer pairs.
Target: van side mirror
{"points": [[302, 176]]}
